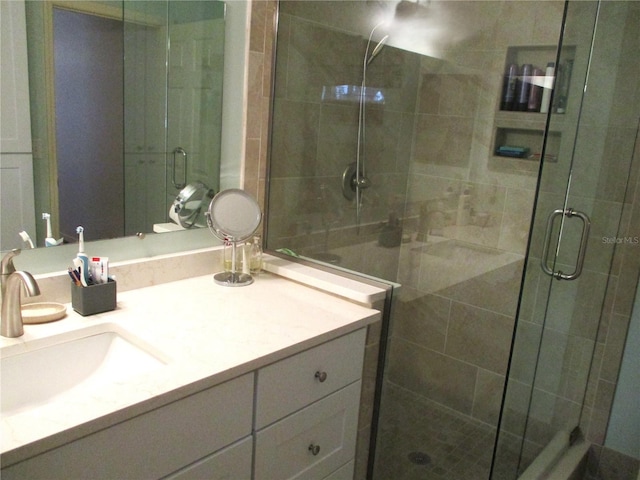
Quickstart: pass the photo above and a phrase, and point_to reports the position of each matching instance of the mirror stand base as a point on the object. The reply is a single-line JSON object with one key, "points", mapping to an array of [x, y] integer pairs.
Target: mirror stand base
{"points": [[231, 279]]}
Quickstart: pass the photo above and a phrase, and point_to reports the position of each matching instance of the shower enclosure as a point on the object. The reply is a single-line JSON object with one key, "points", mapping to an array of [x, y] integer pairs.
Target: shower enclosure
{"points": [[511, 226]]}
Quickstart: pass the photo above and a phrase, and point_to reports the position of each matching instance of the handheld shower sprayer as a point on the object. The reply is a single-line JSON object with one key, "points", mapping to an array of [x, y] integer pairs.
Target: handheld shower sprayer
{"points": [[354, 178], [361, 180], [377, 49]]}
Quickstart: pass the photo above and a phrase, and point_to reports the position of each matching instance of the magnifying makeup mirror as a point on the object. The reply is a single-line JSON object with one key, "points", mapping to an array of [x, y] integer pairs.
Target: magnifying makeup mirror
{"points": [[233, 217], [185, 209]]}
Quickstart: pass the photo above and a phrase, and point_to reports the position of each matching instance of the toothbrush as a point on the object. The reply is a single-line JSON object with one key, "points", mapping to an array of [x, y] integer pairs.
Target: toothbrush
{"points": [[50, 241], [82, 257]]}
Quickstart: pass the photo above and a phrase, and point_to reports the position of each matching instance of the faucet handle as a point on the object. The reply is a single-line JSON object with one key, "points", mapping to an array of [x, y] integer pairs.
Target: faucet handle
{"points": [[6, 266]]}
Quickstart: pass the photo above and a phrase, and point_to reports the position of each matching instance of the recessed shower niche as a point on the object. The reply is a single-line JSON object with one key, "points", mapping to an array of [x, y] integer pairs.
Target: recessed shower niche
{"points": [[533, 86]]}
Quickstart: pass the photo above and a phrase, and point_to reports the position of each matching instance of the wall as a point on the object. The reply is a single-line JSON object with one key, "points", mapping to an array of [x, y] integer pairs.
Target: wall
{"points": [[623, 433], [621, 127], [620, 151], [259, 71]]}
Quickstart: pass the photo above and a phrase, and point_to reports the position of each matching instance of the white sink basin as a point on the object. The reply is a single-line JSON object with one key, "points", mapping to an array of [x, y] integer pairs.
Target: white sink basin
{"points": [[56, 368]]}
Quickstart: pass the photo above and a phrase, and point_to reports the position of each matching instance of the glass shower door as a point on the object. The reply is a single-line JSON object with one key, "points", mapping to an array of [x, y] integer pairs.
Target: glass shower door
{"points": [[569, 271], [174, 59]]}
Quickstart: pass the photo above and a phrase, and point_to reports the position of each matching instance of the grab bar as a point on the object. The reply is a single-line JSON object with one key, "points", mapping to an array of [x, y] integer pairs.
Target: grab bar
{"points": [[586, 225], [181, 151]]}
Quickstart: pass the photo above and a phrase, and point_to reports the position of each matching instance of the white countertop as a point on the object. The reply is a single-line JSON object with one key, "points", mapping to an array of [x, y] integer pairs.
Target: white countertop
{"points": [[207, 334]]}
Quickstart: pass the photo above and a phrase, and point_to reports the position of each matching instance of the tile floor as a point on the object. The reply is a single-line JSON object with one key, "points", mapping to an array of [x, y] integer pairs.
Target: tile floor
{"points": [[456, 447]]}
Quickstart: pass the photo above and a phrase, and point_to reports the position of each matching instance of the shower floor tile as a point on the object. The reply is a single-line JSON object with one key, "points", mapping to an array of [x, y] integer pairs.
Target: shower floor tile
{"points": [[421, 440]]}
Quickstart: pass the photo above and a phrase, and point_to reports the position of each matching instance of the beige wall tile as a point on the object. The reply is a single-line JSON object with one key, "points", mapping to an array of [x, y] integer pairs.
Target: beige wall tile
{"points": [[523, 362], [496, 290], [438, 377], [423, 320], [488, 396], [479, 337]]}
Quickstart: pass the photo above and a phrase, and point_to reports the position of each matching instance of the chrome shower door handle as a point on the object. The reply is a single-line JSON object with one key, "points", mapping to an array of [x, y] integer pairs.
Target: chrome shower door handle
{"points": [[586, 225], [179, 151]]}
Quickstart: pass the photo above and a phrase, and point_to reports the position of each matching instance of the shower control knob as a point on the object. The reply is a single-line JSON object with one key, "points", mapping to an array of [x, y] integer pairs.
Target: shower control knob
{"points": [[321, 376], [314, 449], [362, 182]]}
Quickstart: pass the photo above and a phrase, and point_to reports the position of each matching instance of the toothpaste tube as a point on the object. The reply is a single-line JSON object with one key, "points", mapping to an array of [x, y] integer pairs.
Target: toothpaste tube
{"points": [[99, 269]]}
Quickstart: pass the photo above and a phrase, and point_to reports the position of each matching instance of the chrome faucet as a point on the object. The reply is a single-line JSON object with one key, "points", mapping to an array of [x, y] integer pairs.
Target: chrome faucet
{"points": [[6, 269], [11, 314]]}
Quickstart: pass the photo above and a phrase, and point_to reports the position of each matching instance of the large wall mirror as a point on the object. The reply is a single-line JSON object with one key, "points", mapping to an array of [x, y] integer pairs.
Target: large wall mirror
{"points": [[132, 108]]}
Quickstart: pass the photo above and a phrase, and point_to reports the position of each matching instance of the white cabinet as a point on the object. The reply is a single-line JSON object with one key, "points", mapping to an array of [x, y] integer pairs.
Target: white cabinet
{"points": [[307, 412], [313, 442], [15, 120], [154, 444], [16, 160], [231, 463], [17, 209], [308, 376], [345, 472], [302, 423], [145, 79]]}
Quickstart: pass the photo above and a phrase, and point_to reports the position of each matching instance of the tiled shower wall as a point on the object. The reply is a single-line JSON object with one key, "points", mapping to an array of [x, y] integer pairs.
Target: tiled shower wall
{"points": [[461, 332], [315, 133], [457, 316], [622, 129], [262, 32], [584, 334]]}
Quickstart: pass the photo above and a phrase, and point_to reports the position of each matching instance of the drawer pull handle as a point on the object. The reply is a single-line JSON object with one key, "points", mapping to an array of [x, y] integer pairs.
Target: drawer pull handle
{"points": [[321, 376], [314, 449]]}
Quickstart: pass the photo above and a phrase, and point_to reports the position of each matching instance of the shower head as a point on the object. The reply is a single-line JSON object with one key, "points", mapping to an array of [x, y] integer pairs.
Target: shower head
{"points": [[410, 9], [377, 49]]}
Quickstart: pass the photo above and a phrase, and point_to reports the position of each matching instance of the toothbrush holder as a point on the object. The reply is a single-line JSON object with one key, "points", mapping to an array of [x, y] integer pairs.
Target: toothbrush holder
{"points": [[94, 298]]}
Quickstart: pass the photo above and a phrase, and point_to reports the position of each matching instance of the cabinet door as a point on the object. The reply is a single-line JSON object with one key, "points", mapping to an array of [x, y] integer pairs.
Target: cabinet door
{"points": [[231, 463], [345, 472], [15, 120], [308, 376], [311, 443], [154, 444], [17, 209]]}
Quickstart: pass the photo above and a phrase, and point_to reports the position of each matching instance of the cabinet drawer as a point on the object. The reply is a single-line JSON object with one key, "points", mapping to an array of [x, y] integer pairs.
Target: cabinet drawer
{"points": [[231, 463], [313, 442], [345, 472], [292, 383], [154, 444]]}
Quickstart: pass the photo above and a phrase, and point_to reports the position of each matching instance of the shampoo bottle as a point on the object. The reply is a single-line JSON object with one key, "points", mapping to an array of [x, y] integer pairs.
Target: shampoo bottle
{"points": [[509, 87], [548, 87], [523, 88], [535, 96]]}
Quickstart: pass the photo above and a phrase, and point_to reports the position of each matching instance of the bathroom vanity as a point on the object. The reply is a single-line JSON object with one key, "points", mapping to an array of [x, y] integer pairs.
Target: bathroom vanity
{"points": [[260, 382]]}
